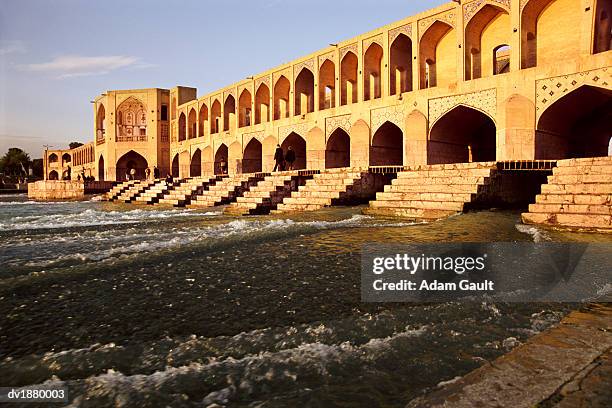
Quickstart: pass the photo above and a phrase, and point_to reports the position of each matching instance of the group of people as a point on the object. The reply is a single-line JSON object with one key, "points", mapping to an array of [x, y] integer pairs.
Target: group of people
{"points": [[130, 174], [282, 160]]}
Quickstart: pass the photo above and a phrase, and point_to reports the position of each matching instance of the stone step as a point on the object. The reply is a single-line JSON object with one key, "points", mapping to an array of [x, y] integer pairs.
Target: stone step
{"points": [[453, 166], [307, 200], [583, 169], [433, 205], [424, 214], [471, 180], [479, 172], [579, 178], [415, 196], [284, 208], [339, 175], [595, 222], [330, 182], [597, 161], [571, 209], [600, 188], [436, 188], [589, 199]]}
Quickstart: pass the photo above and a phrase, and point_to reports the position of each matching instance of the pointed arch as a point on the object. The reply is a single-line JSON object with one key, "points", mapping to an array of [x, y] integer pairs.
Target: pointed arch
{"points": [[252, 157], [203, 119], [298, 145], [485, 33], [127, 162], [348, 79], [304, 92], [195, 167], [221, 159], [244, 108], [215, 117], [400, 71], [100, 122], [281, 98], [131, 120], [175, 169], [338, 150], [262, 104], [182, 127], [463, 134], [53, 175], [437, 65], [576, 125], [387, 146], [101, 169], [327, 85], [372, 69], [192, 124], [66, 158], [229, 113], [602, 36]]}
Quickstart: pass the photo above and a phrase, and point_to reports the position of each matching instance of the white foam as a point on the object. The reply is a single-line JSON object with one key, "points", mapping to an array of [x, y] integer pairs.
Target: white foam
{"points": [[537, 234]]}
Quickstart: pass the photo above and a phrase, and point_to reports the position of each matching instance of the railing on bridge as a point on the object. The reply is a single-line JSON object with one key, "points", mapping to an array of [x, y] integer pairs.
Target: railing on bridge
{"points": [[538, 165]]}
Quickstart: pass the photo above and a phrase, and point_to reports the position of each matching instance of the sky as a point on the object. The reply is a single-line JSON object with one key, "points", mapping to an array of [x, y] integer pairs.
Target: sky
{"points": [[58, 55]]}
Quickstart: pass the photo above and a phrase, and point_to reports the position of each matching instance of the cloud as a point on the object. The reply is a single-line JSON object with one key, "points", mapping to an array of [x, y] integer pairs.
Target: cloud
{"points": [[11, 47], [69, 66]]}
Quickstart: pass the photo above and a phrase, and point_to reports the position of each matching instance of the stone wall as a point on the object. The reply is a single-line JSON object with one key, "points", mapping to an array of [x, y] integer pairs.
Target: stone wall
{"points": [[56, 190]]}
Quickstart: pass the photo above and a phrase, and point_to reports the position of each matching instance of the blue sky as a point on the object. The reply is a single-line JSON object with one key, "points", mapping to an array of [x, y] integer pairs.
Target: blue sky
{"points": [[57, 55]]}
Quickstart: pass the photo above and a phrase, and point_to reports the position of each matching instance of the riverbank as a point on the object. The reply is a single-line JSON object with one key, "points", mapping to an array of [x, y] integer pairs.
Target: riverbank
{"points": [[569, 365]]}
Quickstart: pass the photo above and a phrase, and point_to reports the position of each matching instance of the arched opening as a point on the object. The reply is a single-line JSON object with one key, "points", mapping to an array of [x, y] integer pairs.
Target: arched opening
{"points": [[348, 79], [101, 168], [603, 30], [262, 104], [229, 113], [66, 159], [215, 116], [501, 59], [251, 159], [541, 42], [438, 65], [387, 147], [327, 85], [577, 125], [400, 72], [176, 168], [53, 158], [244, 109], [131, 121], [221, 164], [298, 145], [101, 123], [304, 92], [338, 150], [484, 33], [182, 127], [463, 135], [53, 175], [281, 98], [371, 72], [203, 118], [192, 124], [127, 162], [195, 167]]}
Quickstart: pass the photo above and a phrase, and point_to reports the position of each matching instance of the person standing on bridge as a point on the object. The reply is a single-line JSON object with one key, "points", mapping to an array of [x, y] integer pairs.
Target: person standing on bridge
{"points": [[290, 158], [156, 173], [279, 157], [147, 173]]}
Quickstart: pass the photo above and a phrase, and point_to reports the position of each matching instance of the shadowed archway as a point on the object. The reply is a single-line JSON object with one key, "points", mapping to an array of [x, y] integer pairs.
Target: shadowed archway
{"points": [[221, 157], [195, 168], [338, 150], [387, 148], [298, 144], [127, 162], [252, 157]]}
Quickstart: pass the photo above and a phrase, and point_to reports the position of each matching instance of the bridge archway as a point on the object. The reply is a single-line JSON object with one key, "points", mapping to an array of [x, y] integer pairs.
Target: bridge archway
{"points": [[127, 162], [438, 64], [175, 169], [338, 150], [400, 72], [203, 119], [244, 109], [540, 39], [577, 125], [387, 147], [262, 104], [327, 87], [101, 168], [372, 61], [602, 38], [215, 116], [486, 33], [53, 175], [304, 92], [182, 127], [252, 157], [462, 135], [221, 157], [229, 113], [348, 79], [192, 124], [298, 144], [281, 98], [195, 168]]}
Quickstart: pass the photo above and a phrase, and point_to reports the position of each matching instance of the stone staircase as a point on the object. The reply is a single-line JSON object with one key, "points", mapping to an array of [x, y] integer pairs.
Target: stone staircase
{"points": [[153, 193], [431, 192], [130, 194], [578, 195], [267, 194], [182, 193], [117, 190], [225, 190], [330, 187]]}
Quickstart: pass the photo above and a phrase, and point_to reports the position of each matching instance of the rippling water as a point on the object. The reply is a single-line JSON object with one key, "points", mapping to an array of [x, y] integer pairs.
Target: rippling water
{"points": [[135, 306]]}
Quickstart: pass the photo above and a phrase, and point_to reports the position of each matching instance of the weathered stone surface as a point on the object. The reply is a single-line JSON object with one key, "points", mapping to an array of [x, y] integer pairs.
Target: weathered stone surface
{"points": [[56, 190], [534, 371]]}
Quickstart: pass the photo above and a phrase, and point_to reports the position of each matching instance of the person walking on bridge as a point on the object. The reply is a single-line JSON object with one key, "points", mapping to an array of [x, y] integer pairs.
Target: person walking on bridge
{"points": [[279, 157]]}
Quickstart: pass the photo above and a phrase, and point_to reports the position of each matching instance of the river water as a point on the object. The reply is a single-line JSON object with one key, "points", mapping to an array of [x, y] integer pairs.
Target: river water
{"points": [[141, 306]]}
